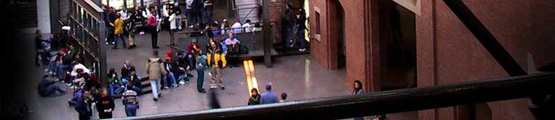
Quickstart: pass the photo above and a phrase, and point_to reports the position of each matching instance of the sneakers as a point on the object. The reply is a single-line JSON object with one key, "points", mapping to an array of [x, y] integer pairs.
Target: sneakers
{"points": [[166, 87], [182, 82], [175, 86], [302, 49], [202, 91]]}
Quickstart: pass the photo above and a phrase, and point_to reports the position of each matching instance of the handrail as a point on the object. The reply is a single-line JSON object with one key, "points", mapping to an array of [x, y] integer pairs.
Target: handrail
{"points": [[383, 102]]}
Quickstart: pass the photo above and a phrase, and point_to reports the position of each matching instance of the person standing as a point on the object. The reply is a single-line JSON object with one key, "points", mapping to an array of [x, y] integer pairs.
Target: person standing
{"points": [[83, 106], [152, 23], [112, 18], [301, 27], [207, 13], [105, 105], [118, 32], [155, 70], [358, 91], [131, 101], [131, 26], [255, 97], [178, 15], [189, 9], [201, 64], [269, 96], [216, 61], [173, 26]]}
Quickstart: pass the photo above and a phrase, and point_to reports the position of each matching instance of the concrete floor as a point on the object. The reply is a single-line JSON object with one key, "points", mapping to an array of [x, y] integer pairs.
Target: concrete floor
{"points": [[300, 76]]}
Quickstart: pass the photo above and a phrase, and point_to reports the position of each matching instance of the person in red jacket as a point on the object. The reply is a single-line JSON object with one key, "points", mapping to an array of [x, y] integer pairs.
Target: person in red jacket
{"points": [[151, 23]]}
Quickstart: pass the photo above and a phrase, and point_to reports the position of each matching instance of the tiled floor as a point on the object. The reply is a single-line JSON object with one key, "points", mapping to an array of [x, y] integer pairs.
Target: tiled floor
{"points": [[300, 76]]}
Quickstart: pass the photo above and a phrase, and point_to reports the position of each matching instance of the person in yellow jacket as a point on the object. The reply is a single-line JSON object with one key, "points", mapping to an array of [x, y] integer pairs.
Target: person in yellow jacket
{"points": [[118, 25], [216, 61]]}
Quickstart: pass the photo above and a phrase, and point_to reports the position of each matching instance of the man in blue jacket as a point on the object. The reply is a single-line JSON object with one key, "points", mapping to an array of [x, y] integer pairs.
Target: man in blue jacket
{"points": [[269, 96]]}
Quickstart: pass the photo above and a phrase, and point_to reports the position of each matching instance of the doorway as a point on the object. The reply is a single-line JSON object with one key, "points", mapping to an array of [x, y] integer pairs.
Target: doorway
{"points": [[398, 46], [342, 48]]}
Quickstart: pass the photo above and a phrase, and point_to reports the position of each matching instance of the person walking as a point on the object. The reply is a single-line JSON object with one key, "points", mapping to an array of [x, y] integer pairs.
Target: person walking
{"points": [[301, 27], [155, 71], [131, 101], [269, 96], [255, 97], [152, 23], [105, 105], [216, 61], [83, 106]]}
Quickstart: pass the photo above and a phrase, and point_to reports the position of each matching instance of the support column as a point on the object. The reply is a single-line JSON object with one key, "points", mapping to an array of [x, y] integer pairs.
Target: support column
{"points": [[267, 33]]}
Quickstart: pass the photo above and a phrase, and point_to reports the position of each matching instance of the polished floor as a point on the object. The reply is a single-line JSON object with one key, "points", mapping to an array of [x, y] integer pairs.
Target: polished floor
{"points": [[300, 76]]}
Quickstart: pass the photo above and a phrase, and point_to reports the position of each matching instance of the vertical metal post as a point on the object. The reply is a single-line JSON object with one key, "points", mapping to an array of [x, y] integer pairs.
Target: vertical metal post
{"points": [[266, 32], [102, 49]]}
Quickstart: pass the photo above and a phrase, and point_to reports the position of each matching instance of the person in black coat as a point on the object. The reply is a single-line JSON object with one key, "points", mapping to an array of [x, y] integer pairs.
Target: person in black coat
{"points": [[126, 71], [255, 97], [105, 105], [83, 106]]}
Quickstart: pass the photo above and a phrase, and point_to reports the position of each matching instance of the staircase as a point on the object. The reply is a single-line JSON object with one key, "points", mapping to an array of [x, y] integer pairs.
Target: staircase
{"points": [[247, 9], [145, 82]]}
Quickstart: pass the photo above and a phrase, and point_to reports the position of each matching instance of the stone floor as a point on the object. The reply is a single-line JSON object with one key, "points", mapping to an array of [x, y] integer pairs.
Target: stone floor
{"points": [[300, 76]]}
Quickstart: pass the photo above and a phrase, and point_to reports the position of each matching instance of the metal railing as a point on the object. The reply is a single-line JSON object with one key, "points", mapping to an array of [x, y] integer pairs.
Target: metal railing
{"points": [[87, 33], [383, 102]]}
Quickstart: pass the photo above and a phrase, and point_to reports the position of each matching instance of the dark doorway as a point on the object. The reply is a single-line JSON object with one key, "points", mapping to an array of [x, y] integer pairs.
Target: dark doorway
{"points": [[341, 47], [397, 46]]}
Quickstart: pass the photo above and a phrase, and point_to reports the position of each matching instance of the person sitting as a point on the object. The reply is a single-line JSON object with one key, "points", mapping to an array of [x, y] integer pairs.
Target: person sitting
{"points": [[193, 50], [247, 27], [170, 77], [48, 88], [269, 96], [115, 86], [233, 44], [237, 27], [126, 70], [136, 81]]}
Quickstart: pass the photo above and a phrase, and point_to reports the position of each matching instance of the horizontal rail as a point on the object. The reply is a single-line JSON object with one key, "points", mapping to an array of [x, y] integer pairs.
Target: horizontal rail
{"points": [[383, 102]]}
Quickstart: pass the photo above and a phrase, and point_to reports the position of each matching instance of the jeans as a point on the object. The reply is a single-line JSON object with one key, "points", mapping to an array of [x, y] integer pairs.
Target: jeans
{"points": [[61, 70], [191, 61], [200, 78], [114, 89], [52, 64], [130, 110], [155, 89], [172, 78], [122, 37], [51, 90], [207, 15], [287, 36], [172, 36]]}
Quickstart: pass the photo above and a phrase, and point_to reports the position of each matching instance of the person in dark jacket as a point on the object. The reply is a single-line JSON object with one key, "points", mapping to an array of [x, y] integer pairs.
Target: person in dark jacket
{"points": [[48, 88], [83, 106], [105, 105], [255, 97], [126, 70], [269, 96], [301, 27], [136, 81]]}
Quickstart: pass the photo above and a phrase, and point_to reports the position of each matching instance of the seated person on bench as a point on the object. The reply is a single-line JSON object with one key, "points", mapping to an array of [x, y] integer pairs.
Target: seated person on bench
{"points": [[233, 44]]}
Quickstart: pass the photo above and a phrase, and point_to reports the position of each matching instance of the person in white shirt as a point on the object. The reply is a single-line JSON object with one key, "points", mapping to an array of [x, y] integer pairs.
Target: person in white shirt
{"points": [[232, 44], [247, 26], [236, 27], [173, 27]]}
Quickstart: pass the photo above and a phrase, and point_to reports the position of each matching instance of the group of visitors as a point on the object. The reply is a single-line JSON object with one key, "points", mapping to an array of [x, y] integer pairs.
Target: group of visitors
{"points": [[267, 97], [293, 27]]}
